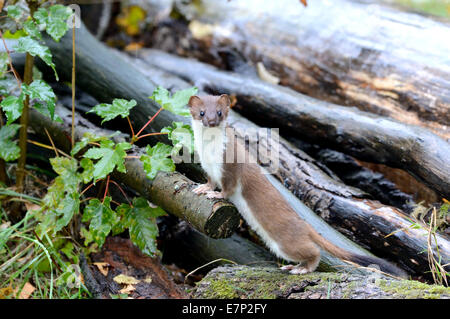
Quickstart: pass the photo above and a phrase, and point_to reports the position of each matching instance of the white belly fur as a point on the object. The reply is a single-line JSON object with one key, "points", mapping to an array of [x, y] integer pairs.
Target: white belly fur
{"points": [[210, 145]]}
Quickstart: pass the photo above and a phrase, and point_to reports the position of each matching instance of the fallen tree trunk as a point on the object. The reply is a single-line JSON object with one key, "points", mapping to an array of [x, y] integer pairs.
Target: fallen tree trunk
{"points": [[363, 135], [241, 282], [348, 52], [328, 197], [172, 191]]}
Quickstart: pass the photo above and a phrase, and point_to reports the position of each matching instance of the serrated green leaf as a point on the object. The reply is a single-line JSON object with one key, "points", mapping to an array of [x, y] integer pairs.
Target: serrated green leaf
{"points": [[141, 219], [181, 135], [7, 84], [29, 45], [87, 138], [40, 90], [68, 207], [175, 104], [110, 111], [13, 107], [44, 109], [101, 218], [54, 19], [156, 159], [110, 156], [88, 170], [67, 168], [32, 29], [14, 12], [9, 151], [4, 63]]}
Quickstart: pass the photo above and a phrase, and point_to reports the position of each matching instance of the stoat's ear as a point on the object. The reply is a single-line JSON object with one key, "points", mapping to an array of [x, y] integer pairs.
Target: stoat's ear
{"points": [[224, 100], [195, 101]]}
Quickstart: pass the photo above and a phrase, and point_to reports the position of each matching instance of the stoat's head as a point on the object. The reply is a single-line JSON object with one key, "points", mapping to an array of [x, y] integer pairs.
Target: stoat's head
{"points": [[211, 110]]}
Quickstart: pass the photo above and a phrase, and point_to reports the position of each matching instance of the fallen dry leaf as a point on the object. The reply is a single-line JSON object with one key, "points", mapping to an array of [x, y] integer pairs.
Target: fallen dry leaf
{"points": [[304, 2], [103, 268], [26, 292]]}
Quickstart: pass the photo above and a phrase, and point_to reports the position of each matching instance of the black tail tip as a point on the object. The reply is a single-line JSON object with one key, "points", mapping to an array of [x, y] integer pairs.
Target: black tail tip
{"points": [[384, 266]]}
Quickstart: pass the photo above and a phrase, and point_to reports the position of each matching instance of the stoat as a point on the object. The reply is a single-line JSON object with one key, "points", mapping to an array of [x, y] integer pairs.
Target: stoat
{"points": [[263, 208]]}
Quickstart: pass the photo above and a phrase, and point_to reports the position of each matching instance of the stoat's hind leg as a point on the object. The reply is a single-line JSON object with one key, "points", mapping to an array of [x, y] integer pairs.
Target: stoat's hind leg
{"points": [[310, 266]]}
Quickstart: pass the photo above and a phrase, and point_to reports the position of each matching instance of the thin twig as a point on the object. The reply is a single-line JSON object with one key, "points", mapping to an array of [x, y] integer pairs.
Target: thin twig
{"points": [[73, 81], [148, 123]]}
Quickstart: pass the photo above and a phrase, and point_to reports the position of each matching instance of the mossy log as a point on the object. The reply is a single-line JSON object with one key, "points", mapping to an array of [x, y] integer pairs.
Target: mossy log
{"points": [[349, 52], [124, 77], [216, 218], [237, 282], [363, 135]]}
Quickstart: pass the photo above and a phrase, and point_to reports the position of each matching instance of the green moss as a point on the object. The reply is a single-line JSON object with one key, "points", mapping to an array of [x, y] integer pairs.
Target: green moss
{"points": [[409, 289], [246, 281]]}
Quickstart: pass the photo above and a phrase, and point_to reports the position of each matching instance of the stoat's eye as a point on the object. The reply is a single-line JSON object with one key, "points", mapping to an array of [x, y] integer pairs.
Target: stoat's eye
{"points": [[219, 113], [202, 113]]}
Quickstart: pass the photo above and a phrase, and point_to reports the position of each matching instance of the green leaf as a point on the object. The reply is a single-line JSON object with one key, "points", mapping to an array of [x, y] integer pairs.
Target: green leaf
{"points": [[7, 84], [175, 104], [110, 156], [110, 111], [156, 159], [181, 135], [9, 151], [40, 90], [32, 29], [54, 19], [33, 47], [141, 222], [14, 12], [4, 63], [68, 207], [44, 109], [101, 217], [12, 106], [88, 170], [87, 139], [67, 168]]}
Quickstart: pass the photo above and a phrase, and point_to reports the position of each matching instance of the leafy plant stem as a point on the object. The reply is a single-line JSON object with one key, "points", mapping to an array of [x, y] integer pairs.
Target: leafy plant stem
{"points": [[150, 134], [73, 81], [131, 127], [3, 175], [106, 189], [122, 191], [20, 173], [149, 121]]}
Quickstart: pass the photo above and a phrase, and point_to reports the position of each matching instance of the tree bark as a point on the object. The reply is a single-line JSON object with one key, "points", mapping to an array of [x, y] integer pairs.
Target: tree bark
{"points": [[241, 282], [423, 154], [348, 52], [216, 218]]}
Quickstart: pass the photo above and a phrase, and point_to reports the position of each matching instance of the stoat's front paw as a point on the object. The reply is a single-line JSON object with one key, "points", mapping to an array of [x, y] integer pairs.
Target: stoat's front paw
{"points": [[203, 188], [213, 194]]}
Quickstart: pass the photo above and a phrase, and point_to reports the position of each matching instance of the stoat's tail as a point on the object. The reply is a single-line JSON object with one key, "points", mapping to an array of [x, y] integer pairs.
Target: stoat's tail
{"points": [[358, 259]]}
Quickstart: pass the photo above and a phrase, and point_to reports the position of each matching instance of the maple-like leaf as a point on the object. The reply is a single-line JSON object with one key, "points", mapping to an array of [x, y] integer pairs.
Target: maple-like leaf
{"points": [[110, 156], [9, 151], [175, 103], [156, 159], [110, 111]]}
